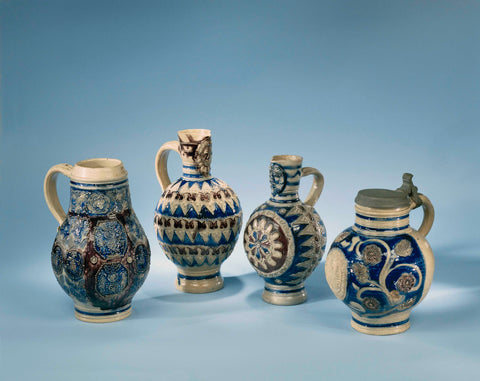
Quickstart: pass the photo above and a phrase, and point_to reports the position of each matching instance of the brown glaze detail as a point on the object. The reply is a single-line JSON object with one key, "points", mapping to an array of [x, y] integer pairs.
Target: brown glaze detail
{"points": [[199, 250], [91, 269], [199, 225], [282, 238]]}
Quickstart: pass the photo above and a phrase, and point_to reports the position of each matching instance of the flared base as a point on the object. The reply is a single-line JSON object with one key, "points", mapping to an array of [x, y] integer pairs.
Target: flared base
{"points": [[380, 328], [199, 284], [96, 315], [284, 295]]}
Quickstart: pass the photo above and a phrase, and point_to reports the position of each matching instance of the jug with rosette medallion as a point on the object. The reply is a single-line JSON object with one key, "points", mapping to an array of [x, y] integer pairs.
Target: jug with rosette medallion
{"points": [[285, 238]]}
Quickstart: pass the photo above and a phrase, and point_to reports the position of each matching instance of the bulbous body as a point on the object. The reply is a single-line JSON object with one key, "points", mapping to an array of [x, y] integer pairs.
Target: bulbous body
{"points": [[381, 268], [101, 255], [198, 217], [285, 238]]}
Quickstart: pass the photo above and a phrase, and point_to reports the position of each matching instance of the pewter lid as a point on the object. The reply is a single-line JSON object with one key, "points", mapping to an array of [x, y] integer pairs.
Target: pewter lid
{"points": [[382, 199], [391, 199]]}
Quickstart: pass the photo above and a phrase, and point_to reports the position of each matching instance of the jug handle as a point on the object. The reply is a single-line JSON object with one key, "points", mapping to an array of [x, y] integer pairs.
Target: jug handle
{"points": [[428, 215], [50, 190], [161, 162], [317, 186]]}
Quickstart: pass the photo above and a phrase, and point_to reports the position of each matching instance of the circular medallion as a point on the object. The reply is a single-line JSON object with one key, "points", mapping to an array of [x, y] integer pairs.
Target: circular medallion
{"points": [[269, 243], [336, 272]]}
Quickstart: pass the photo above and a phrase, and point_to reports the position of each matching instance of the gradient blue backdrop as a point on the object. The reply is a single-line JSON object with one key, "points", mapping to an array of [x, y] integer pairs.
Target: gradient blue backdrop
{"points": [[363, 90]]}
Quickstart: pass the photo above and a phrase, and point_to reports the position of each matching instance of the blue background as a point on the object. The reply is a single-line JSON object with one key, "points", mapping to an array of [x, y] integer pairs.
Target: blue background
{"points": [[363, 90]]}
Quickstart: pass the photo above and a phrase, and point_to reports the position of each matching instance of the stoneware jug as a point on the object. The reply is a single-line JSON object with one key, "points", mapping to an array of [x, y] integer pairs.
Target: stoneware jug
{"points": [[198, 217], [101, 254], [285, 238], [381, 267]]}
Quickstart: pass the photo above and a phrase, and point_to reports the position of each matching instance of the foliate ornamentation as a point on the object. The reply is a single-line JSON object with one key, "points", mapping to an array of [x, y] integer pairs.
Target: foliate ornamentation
{"points": [[112, 279], [371, 304], [394, 285], [74, 233], [372, 254], [405, 283], [110, 239], [361, 272], [278, 178], [99, 203], [407, 304], [342, 236], [403, 248]]}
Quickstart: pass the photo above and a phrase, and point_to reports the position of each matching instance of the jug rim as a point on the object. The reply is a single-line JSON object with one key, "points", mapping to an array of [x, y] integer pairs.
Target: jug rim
{"points": [[290, 159], [98, 170], [193, 135]]}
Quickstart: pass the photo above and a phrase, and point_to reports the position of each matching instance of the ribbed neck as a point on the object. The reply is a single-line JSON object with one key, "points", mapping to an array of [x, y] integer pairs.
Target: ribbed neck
{"points": [[190, 172], [381, 222], [285, 173]]}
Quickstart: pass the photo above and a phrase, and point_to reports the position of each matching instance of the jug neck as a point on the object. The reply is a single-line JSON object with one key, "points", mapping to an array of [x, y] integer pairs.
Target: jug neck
{"points": [[381, 222], [196, 154], [285, 173], [96, 200], [191, 172]]}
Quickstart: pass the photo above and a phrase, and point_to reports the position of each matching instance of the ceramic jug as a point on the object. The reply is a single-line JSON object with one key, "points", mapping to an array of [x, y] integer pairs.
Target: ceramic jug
{"points": [[198, 217], [101, 254], [285, 238], [381, 267]]}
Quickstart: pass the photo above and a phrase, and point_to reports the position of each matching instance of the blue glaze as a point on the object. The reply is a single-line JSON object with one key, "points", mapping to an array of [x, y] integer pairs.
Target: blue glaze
{"points": [[198, 221], [383, 278], [284, 238], [101, 255]]}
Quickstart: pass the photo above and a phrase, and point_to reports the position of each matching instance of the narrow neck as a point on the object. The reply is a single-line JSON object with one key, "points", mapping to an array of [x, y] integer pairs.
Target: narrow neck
{"points": [[99, 199], [381, 222], [284, 182], [196, 153], [191, 172]]}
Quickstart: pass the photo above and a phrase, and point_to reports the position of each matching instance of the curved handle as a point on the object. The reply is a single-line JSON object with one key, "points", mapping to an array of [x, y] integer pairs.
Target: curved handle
{"points": [[428, 215], [50, 190], [317, 186], [161, 162]]}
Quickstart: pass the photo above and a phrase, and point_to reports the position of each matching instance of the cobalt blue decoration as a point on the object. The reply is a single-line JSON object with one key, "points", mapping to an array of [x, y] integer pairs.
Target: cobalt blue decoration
{"points": [[198, 217], [381, 267], [101, 254], [285, 238]]}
